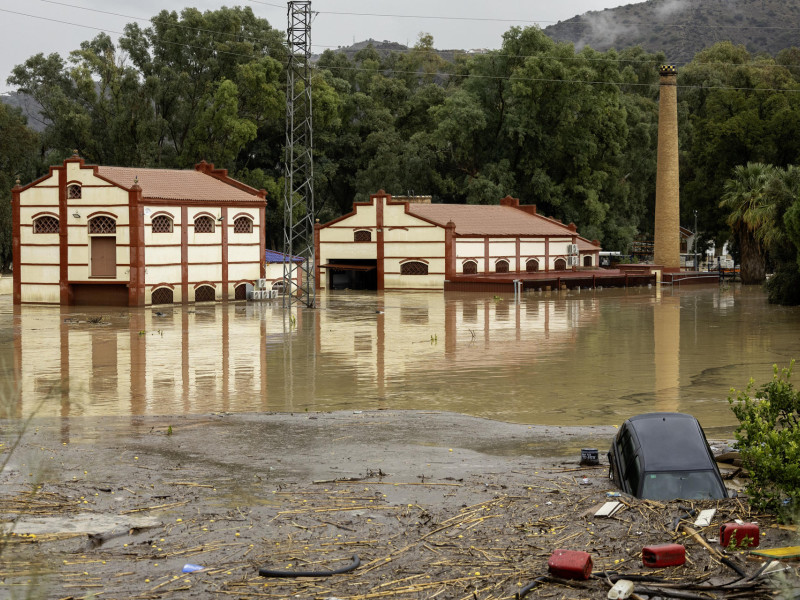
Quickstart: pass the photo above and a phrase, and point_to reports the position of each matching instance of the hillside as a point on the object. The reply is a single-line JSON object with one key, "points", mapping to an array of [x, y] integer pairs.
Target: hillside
{"points": [[681, 28], [29, 108]]}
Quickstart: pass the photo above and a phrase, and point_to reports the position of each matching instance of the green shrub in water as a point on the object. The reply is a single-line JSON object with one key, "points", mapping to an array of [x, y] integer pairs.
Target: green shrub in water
{"points": [[768, 438]]}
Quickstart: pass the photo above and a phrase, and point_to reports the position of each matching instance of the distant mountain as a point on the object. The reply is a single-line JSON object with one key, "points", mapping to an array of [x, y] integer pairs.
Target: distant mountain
{"points": [[30, 108], [681, 28]]}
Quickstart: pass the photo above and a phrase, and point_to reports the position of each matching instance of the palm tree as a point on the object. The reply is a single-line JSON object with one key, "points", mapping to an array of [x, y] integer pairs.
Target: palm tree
{"points": [[750, 196]]}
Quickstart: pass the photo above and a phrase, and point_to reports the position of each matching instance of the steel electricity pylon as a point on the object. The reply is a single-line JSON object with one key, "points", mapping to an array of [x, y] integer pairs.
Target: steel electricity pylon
{"points": [[298, 205]]}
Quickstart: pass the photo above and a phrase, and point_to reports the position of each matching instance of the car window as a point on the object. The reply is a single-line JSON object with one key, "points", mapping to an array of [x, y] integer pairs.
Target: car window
{"points": [[633, 475], [689, 485], [626, 446]]}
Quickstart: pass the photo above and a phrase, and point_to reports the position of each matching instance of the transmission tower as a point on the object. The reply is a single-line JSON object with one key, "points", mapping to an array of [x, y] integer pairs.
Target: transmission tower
{"points": [[298, 205]]}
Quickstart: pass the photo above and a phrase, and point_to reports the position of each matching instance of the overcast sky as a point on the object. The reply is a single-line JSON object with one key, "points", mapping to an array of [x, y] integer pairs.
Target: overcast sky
{"points": [[60, 25]]}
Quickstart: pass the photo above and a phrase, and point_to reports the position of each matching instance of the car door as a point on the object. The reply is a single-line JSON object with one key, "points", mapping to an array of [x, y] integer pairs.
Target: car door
{"points": [[631, 466]]}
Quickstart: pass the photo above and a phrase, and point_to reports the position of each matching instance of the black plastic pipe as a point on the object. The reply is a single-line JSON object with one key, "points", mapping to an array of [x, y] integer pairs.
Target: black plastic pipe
{"points": [[283, 573]]}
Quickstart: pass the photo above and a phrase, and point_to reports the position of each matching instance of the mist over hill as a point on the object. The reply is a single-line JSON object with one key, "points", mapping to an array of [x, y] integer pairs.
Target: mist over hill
{"points": [[681, 28]]}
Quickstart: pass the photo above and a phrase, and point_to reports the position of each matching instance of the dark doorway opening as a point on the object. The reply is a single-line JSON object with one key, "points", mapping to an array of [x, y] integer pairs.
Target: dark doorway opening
{"points": [[87, 294], [352, 274]]}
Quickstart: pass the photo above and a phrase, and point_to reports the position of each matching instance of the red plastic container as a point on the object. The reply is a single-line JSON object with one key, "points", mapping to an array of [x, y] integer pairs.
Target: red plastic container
{"points": [[738, 532], [666, 555], [570, 564]]}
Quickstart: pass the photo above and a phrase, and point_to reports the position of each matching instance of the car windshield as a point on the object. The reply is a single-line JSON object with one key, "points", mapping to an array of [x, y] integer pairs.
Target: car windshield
{"points": [[689, 485]]}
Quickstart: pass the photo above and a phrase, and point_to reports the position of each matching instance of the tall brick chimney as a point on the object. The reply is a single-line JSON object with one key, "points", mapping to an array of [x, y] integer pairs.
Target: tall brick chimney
{"points": [[667, 248]]}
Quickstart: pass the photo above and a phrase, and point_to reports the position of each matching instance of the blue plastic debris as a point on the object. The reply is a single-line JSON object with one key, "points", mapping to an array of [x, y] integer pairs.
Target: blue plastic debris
{"points": [[190, 568]]}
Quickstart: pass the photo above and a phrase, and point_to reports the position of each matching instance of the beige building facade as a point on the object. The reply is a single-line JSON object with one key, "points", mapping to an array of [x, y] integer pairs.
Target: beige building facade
{"points": [[403, 243], [88, 234]]}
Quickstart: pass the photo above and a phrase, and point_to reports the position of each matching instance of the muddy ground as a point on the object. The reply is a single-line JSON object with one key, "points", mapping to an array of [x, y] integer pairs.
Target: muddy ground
{"points": [[435, 505]]}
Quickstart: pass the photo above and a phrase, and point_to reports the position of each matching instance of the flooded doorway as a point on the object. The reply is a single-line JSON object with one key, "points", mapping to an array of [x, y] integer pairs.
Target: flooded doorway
{"points": [[352, 274]]}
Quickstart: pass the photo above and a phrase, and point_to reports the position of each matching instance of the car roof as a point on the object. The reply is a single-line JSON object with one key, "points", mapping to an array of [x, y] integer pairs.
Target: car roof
{"points": [[670, 442]]}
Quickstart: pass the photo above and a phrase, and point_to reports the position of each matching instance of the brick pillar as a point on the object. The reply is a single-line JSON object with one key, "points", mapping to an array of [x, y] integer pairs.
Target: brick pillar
{"points": [[667, 248]]}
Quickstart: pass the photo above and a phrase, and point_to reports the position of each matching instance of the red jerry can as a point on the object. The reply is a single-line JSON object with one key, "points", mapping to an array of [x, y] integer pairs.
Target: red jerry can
{"points": [[666, 555], [570, 564], [744, 535]]}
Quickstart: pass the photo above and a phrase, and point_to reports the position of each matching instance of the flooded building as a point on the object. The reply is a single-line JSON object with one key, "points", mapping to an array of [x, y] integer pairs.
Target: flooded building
{"points": [[97, 235], [410, 243]]}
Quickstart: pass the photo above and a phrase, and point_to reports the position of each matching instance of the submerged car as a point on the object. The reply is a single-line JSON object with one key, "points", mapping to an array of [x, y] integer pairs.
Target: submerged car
{"points": [[664, 456]]}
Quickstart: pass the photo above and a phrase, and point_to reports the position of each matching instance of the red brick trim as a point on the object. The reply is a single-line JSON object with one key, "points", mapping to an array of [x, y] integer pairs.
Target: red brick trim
{"points": [[222, 175], [262, 241], [155, 286], [184, 254], [225, 227], [65, 295], [202, 283], [136, 288], [48, 213], [158, 213], [105, 213], [380, 198]]}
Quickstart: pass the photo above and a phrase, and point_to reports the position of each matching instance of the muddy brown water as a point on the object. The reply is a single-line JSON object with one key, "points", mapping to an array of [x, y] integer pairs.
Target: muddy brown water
{"points": [[557, 358]]}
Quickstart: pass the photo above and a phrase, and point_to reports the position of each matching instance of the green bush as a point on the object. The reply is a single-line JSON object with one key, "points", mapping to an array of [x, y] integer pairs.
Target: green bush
{"points": [[768, 437]]}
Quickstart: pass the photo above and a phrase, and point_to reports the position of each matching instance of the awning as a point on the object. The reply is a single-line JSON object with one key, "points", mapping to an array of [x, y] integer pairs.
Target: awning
{"points": [[345, 267]]}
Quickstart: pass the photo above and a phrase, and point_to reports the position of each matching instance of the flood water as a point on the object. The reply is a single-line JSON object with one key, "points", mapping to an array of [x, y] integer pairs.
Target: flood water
{"points": [[558, 358]]}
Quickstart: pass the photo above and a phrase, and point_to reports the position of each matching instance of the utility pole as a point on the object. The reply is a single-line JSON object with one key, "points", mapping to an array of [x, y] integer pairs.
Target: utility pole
{"points": [[298, 206], [694, 242]]}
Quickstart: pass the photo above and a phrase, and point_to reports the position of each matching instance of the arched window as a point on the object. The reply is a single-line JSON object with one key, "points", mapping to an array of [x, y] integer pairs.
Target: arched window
{"points": [[45, 224], [587, 261], [501, 266], [242, 225], [161, 224], [74, 192], [204, 224], [362, 235], [162, 295], [240, 292], [102, 224], [470, 267], [205, 293], [532, 265], [413, 268], [560, 264]]}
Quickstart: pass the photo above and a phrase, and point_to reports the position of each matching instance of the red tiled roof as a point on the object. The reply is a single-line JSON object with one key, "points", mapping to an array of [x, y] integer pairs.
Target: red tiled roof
{"points": [[175, 184], [478, 219]]}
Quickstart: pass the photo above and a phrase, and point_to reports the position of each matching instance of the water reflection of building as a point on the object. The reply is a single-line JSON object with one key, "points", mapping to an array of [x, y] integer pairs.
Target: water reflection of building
{"points": [[203, 358], [412, 331], [557, 358]]}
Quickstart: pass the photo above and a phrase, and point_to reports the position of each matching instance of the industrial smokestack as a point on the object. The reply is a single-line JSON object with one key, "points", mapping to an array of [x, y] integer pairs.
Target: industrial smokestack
{"points": [[667, 247]]}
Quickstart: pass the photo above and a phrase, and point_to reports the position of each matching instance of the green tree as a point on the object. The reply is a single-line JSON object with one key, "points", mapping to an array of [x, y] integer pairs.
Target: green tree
{"points": [[18, 145], [782, 237], [738, 109], [750, 207], [768, 438]]}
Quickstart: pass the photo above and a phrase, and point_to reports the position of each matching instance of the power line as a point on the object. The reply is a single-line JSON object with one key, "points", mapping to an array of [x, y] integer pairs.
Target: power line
{"points": [[531, 21], [407, 50], [107, 30], [154, 20], [450, 75]]}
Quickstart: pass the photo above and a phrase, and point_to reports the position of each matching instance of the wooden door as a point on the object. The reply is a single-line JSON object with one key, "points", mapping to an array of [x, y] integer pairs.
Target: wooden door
{"points": [[104, 257]]}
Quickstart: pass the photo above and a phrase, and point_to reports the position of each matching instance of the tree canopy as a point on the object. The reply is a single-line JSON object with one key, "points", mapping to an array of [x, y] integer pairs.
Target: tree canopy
{"points": [[572, 131]]}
